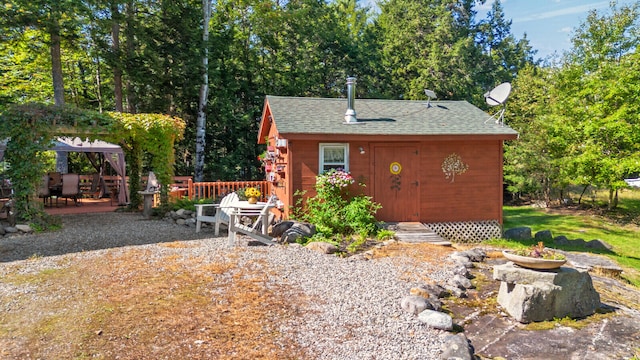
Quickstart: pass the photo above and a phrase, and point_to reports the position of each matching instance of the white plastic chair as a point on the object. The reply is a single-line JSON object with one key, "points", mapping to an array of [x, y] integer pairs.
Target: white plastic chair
{"points": [[223, 210]]}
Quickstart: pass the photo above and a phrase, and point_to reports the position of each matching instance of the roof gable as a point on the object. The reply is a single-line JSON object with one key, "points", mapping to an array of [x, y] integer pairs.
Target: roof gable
{"points": [[299, 115]]}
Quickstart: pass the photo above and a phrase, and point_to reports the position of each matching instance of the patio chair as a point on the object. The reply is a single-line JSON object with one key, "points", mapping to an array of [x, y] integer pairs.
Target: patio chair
{"points": [[70, 187], [43, 190], [223, 209], [258, 228], [55, 179]]}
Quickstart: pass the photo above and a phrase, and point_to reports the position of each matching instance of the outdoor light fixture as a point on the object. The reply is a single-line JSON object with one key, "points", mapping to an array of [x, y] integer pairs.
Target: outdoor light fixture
{"points": [[361, 150]]}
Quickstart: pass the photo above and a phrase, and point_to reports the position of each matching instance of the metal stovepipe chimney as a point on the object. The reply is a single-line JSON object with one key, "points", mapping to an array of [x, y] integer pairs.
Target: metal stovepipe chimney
{"points": [[350, 115]]}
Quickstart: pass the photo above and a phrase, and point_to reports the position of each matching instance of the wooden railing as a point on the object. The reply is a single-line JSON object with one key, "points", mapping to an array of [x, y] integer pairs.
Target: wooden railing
{"points": [[217, 189]]}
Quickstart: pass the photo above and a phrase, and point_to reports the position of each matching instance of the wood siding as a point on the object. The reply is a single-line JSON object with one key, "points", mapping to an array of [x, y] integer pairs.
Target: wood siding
{"points": [[475, 195], [472, 196]]}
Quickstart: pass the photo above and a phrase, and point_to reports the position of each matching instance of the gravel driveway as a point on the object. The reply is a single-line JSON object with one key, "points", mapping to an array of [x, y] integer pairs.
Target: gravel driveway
{"points": [[353, 310]]}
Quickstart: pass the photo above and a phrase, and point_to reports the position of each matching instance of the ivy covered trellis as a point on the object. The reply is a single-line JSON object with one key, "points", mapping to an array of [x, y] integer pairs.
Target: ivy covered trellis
{"points": [[31, 129]]}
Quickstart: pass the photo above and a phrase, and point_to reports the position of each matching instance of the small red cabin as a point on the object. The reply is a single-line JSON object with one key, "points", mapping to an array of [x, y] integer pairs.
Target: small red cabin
{"points": [[423, 161]]}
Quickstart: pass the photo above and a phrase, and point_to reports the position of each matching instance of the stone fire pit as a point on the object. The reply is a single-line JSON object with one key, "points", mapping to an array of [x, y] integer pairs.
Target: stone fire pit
{"points": [[539, 295]]}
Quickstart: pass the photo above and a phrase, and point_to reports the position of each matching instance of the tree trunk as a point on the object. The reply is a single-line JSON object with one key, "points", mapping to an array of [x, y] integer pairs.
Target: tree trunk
{"points": [[115, 48], [130, 48], [582, 193], [610, 202], [56, 65], [98, 85], [204, 92], [613, 199]]}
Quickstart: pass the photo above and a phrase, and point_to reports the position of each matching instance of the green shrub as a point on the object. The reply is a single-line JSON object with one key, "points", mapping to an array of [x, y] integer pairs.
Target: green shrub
{"points": [[334, 211], [357, 243], [384, 234]]}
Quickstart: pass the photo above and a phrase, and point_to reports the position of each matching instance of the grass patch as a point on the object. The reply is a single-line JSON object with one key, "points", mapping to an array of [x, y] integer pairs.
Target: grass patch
{"points": [[625, 238]]}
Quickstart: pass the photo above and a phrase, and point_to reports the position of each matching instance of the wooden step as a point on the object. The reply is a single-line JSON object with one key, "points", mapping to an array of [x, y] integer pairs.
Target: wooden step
{"points": [[415, 232]]}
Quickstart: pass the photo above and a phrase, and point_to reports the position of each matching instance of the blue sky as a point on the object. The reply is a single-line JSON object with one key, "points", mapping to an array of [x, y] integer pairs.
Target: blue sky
{"points": [[548, 23]]}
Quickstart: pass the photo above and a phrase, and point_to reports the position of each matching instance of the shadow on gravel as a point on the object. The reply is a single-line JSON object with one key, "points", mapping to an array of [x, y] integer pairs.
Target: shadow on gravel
{"points": [[88, 232]]}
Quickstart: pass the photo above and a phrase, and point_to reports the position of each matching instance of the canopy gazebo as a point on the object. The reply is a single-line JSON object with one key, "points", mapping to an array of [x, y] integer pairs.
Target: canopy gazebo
{"points": [[112, 153]]}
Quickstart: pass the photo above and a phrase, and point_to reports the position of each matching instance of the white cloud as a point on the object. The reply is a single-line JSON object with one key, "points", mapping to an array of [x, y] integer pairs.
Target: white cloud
{"points": [[580, 9]]}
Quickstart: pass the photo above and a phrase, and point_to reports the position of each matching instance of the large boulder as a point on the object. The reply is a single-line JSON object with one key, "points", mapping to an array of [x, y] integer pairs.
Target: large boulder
{"points": [[519, 233], [532, 295], [279, 228], [543, 235], [298, 231], [561, 240], [598, 245]]}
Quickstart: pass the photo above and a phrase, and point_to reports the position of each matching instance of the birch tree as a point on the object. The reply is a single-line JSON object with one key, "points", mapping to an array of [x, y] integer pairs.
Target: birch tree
{"points": [[204, 92]]}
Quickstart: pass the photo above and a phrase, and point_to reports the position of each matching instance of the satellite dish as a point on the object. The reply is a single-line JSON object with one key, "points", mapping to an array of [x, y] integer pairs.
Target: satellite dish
{"points": [[498, 95], [431, 95]]}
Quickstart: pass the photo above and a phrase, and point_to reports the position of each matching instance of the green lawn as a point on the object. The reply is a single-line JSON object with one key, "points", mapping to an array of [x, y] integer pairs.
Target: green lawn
{"points": [[624, 237]]}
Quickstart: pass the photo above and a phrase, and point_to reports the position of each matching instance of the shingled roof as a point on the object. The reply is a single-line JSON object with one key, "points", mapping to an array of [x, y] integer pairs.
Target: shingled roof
{"points": [[301, 115]]}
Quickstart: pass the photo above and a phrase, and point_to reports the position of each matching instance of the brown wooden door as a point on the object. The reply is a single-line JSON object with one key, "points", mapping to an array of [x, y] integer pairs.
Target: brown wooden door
{"points": [[396, 182]]}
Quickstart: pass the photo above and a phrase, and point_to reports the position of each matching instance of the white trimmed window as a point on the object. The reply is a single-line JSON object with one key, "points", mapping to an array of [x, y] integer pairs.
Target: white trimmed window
{"points": [[334, 156]]}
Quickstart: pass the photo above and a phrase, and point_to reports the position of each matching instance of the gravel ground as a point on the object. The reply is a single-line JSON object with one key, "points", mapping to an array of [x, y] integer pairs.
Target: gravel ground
{"points": [[354, 309]]}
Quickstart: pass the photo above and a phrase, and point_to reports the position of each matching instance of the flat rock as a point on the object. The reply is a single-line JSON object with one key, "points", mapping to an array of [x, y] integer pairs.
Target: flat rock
{"points": [[11, 230], [436, 320], [496, 335], [323, 247], [24, 228], [591, 261]]}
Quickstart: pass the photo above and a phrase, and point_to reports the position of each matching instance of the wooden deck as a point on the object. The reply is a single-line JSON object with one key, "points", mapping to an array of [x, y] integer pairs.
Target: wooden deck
{"points": [[84, 206]]}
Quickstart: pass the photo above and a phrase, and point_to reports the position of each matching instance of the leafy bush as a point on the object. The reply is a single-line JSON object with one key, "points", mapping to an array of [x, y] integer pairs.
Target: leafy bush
{"points": [[357, 243], [385, 234], [334, 211], [177, 204]]}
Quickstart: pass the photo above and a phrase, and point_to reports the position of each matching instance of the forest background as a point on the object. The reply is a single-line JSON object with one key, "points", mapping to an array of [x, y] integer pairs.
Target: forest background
{"points": [[577, 113]]}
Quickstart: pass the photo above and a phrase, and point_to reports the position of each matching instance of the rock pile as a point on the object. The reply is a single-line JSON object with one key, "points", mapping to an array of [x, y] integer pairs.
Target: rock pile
{"points": [[18, 229], [183, 217], [425, 302], [524, 233]]}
